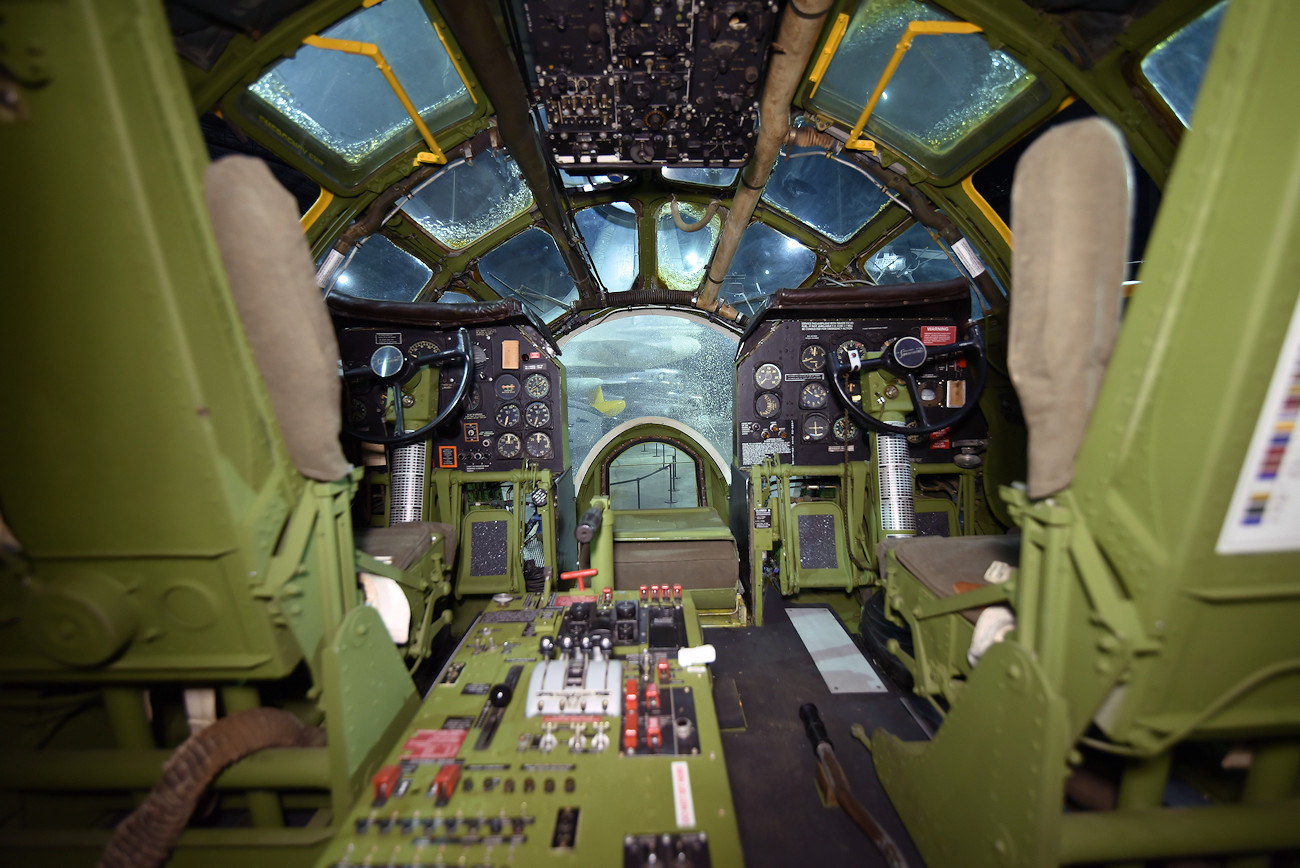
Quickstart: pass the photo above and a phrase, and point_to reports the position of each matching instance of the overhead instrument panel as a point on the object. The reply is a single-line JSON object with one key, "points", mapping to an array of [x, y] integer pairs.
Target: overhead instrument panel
{"points": [[633, 84], [515, 411]]}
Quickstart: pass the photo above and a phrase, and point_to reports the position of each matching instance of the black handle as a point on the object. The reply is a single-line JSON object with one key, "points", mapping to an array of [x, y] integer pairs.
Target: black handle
{"points": [[812, 724], [590, 523]]}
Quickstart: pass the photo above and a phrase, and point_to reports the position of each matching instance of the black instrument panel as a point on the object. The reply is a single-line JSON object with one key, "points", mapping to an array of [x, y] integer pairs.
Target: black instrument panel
{"points": [[785, 405], [515, 411], [630, 84]]}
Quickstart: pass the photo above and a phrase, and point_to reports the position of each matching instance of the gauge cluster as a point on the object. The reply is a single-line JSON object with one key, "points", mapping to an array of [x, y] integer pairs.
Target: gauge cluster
{"points": [[785, 403], [515, 410]]}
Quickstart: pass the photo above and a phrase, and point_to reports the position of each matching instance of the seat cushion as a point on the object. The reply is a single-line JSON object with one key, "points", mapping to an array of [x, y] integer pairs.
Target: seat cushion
{"points": [[406, 542], [943, 564]]}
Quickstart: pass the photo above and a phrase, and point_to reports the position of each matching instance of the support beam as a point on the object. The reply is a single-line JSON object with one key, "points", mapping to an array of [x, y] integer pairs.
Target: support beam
{"points": [[477, 34]]}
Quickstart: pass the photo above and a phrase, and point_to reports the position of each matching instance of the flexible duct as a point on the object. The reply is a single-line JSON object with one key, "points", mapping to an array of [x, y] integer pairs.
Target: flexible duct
{"points": [[797, 37], [148, 834]]}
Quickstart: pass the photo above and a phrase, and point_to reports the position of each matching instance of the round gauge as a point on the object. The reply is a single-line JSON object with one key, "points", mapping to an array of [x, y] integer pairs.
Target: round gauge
{"points": [[842, 351], [508, 445], [537, 414], [508, 415], [815, 427], [538, 445], [475, 399], [507, 387], [422, 347], [844, 430], [537, 386], [767, 405], [813, 358], [813, 396], [768, 376]]}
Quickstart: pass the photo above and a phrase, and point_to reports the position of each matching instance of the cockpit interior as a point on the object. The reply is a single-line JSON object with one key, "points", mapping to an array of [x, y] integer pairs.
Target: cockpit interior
{"points": [[650, 432]]}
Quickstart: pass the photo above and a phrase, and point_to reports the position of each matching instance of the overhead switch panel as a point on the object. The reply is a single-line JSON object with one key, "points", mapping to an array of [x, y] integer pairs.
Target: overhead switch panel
{"points": [[637, 84]]}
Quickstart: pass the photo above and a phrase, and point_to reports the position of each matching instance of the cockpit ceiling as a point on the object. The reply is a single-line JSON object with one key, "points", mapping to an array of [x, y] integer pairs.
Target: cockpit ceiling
{"points": [[636, 124]]}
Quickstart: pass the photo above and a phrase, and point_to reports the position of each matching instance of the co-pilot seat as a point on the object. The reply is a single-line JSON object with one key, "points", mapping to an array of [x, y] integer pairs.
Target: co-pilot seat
{"points": [[1071, 209], [289, 328]]}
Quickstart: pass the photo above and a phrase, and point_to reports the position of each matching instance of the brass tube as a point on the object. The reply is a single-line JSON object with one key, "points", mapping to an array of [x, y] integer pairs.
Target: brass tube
{"points": [[797, 37]]}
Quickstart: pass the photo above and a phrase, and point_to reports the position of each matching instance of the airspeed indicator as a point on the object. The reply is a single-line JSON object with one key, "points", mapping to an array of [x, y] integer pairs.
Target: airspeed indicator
{"points": [[768, 376]]}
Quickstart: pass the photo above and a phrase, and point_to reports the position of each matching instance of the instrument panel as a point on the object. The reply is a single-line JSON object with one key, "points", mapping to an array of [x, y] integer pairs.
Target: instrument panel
{"points": [[515, 411], [785, 405]]}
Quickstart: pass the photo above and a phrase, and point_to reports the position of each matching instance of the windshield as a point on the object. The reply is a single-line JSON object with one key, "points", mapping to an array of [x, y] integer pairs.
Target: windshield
{"points": [[658, 365], [339, 107], [529, 267], [830, 195], [1176, 66], [380, 270], [950, 95], [464, 202]]}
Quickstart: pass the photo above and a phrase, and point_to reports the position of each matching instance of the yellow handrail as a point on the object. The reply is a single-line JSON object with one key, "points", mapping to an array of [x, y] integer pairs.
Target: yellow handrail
{"points": [[313, 213], [916, 28], [368, 49], [828, 51]]}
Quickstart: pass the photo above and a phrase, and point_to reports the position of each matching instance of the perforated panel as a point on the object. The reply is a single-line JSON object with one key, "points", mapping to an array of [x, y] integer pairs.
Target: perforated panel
{"points": [[817, 542]]}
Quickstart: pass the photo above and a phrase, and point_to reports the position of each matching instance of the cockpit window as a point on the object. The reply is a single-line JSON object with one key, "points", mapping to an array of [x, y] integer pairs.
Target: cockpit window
{"points": [[610, 233], [913, 257], [1176, 66], [653, 474], [708, 177], [381, 270], [765, 261], [656, 365], [529, 267], [682, 256], [339, 105], [950, 96], [463, 203], [832, 196]]}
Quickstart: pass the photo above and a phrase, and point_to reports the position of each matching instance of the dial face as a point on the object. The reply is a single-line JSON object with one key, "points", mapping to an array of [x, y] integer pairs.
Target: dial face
{"points": [[538, 445], [813, 358], [815, 427], [537, 386], [537, 414], [508, 415], [844, 430], [768, 376], [507, 387], [842, 351], [813, 396], [508, 445], [422, 347], [767, 405], [475, 399]]}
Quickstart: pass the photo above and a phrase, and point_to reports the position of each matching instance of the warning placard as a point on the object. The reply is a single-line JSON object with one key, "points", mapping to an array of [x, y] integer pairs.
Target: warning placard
{"points": [[434, 744]]}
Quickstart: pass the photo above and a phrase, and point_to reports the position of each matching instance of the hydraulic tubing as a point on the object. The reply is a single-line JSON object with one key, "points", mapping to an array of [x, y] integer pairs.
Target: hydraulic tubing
{"points": [[801, 24]]}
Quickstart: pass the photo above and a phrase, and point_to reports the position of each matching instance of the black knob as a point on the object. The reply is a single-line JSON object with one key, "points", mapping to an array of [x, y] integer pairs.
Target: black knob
{"points": [[547, 647], [500, 695]]}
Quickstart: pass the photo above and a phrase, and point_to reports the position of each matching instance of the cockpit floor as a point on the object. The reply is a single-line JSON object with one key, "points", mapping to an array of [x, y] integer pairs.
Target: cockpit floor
{"points": [[770, 761]]}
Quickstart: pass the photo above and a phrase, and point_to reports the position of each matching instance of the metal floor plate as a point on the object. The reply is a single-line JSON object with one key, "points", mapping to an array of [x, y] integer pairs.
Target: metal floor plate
{"points": [[839, 661]]}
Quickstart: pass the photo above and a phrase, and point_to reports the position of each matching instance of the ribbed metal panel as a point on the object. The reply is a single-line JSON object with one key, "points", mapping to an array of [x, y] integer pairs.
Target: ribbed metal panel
{"points": [[894, 469], [406, 471]]}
